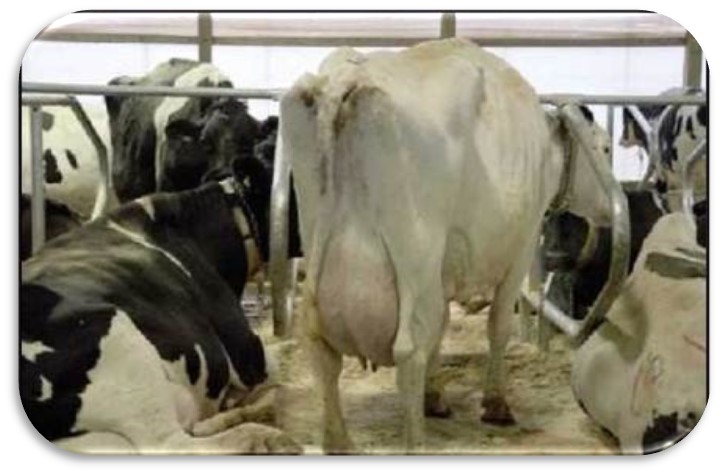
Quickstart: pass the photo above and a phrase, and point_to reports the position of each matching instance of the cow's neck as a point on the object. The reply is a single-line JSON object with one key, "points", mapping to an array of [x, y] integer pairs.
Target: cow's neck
{"points": [[204, 216], [246, 223]]}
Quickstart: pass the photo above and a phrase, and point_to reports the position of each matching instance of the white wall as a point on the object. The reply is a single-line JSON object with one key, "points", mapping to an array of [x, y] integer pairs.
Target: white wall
{"points": [[639, 70]]}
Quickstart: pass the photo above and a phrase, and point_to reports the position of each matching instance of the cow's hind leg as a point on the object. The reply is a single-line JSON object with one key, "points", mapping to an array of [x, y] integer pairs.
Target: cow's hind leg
{"points": [[496, 409], [419, 336], [434, 402], [327, 364]]}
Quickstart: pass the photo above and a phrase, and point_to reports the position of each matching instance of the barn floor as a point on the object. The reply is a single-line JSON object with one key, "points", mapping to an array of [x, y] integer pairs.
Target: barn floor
{"points": [[548, 419]]}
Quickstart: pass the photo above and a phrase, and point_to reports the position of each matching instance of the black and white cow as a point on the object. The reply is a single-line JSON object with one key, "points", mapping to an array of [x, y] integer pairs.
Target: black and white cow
{"points": [[132, 338], [681, 129], [73, 173], [164, 143], [643, 374], [580, 255]]}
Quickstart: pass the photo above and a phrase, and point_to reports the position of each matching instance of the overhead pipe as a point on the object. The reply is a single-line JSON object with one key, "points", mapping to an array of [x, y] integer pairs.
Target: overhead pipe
{"points": [[127, 90], [274, 94]]}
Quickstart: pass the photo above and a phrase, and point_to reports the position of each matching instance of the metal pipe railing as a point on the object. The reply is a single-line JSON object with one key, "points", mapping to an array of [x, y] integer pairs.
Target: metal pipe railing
{"points": [[687, 193], [620, 230], [127, 90], [618, 100], [37, 203], [274, 94], [552, 313]]}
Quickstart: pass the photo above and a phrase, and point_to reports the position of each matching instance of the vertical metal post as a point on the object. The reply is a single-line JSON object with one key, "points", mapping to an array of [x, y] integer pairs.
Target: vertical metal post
{"points": [[692, 62], [610, 122], [205, 38], [537, 278], [535, 287], [545, 329], [448, 25], [37, 208], [279, 266]]}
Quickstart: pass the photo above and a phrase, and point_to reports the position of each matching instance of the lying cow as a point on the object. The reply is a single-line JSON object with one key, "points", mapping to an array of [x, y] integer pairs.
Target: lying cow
{"points": [[132, 337], [681, 129], [164, 143], [642, 375], [59, 219], [423, 175]]}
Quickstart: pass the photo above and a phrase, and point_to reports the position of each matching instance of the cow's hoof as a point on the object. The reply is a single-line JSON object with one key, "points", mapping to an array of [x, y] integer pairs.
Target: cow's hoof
{"points": [[272, 441], [281, 444], [497, 412], [339, 447], [434, 405]]}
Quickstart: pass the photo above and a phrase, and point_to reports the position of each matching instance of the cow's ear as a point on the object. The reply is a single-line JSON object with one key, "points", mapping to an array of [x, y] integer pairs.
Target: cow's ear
{"points": [[114, 103], [268, 126], [183, 129], [587, 113]]}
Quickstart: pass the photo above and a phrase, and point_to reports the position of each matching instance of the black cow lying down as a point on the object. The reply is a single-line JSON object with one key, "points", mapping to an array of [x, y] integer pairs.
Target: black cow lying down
{"points": [[132, 339]]}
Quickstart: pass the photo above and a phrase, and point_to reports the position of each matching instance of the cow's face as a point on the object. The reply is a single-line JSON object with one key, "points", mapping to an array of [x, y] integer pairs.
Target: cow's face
{"points": [[204, 149], [566, 241]]}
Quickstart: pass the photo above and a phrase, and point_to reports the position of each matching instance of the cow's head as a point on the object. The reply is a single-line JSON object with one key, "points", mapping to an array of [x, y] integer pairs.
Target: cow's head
{"points": [[205, 148], [265, 148]]}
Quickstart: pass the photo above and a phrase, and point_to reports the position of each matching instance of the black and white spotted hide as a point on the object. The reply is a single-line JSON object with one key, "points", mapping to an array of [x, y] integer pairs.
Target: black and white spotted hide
{"points": [[131, 332]]}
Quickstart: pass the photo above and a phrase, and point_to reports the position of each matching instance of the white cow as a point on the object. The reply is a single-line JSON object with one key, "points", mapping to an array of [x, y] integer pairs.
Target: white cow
{"points": [[70, 160], [642, 375], [422, 175]]}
